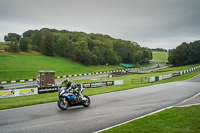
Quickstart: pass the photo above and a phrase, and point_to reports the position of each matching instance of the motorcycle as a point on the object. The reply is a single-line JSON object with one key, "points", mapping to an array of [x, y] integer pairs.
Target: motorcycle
{"points": [[68, 98]]}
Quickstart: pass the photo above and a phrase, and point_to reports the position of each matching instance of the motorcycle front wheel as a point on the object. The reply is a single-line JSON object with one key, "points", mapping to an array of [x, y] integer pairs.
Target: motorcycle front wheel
{"points": [[86, 103], [63, 104]]}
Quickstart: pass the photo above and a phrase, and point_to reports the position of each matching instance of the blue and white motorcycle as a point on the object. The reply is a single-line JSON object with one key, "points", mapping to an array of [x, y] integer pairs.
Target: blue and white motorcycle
{"points": [[68, 98]]}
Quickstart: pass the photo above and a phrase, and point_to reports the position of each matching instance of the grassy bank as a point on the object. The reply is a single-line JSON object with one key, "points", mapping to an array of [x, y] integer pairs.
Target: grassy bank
{"points": [[26, 65], [6, 103], [160, 56], [175, 120]]}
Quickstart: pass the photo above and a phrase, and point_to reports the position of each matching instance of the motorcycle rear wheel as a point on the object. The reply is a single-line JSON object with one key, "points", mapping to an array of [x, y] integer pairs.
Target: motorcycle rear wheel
{"points": [[63, 104]]}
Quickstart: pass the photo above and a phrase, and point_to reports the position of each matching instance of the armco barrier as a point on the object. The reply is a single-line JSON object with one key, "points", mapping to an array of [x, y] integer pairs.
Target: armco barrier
{"points": [[152, 79], [157, 78], [160, 77]]}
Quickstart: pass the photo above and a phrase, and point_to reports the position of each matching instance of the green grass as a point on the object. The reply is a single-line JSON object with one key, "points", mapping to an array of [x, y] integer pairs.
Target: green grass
{"points": [[26, 65], [160, 56], [6, 103], [13, 102], [175, 120]]}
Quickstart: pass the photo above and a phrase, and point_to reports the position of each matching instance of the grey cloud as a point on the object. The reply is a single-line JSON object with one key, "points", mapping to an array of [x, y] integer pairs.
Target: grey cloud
{"points": [[152, 23]]}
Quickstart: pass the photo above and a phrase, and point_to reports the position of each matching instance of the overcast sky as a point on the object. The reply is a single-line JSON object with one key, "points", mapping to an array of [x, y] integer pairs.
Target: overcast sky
{"points": [[150, 23]]}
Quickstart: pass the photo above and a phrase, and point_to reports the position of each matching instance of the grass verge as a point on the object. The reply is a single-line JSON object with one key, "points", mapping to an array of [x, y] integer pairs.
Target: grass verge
{"points": [[175, 120]]}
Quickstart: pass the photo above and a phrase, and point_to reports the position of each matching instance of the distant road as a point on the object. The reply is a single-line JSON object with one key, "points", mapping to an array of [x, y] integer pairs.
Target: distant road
{"points": [[58, 81], [106, 110]]}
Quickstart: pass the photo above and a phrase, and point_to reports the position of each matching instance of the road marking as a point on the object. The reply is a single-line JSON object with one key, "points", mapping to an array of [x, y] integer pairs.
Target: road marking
{"points": [[190, 98], [134, 119], [188, 105]]}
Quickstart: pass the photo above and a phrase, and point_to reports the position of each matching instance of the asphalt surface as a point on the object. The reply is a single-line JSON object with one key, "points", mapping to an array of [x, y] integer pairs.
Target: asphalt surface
{"points": [[106, 109]]}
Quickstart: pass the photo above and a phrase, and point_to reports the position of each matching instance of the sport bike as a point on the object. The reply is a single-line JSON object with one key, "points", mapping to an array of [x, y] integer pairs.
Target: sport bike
{"points": [[68, 98]]}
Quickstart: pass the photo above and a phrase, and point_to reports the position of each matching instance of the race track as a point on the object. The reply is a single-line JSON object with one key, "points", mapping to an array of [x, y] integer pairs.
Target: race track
{"points": [[106, 109]]}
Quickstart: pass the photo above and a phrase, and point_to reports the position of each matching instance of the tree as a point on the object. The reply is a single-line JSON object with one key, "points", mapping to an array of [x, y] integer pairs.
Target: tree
{"points": [[181, 54], [36, 40], [137, 59], [147, 55], [11, 36], [24, 44], [27, 33], [194, 53], [48, 43], [97, 56], [63, 45], [83, 53], [172, 56], [14, 45], [110, 57], [73, 51], [178, 56]]}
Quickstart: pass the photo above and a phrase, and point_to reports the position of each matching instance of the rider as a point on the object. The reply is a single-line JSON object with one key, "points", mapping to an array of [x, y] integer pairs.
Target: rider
{"points": [[71, 85]]}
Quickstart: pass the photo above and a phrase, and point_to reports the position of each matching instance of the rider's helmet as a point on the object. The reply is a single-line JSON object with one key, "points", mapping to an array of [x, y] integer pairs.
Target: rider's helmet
{"points": [[66, 81]]}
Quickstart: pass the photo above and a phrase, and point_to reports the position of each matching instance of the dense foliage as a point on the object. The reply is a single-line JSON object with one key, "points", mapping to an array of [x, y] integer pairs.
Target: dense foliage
{"points": [[13, 42], [186, 53], [12, 36], [159, 50], [88, 49]]}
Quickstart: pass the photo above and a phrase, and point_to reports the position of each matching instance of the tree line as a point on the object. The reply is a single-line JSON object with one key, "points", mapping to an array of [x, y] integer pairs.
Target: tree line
{"points": [[186, 53], [88, 49], [159, 50]]}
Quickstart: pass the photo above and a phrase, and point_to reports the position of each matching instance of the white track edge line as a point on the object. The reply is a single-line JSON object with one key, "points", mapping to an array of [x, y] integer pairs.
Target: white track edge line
{"points": [[134, 119], [188, 105], [151, 114], [190, 98]]}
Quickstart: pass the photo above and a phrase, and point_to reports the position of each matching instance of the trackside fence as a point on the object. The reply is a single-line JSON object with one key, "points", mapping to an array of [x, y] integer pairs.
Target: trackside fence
{"points": [[162, 77], [33, 91]]}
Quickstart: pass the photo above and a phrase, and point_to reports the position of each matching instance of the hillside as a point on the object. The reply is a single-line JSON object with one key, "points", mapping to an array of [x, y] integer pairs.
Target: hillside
{"points": [[160, 56], [26, 65]]}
